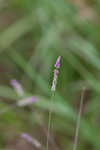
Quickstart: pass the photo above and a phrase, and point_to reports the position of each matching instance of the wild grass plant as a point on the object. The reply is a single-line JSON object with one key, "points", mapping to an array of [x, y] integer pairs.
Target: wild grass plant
{"points": [[53, 90]]}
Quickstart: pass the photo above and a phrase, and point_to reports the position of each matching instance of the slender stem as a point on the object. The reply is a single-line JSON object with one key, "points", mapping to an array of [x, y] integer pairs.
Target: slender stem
{"points": [[78, 120], [49, 123]]}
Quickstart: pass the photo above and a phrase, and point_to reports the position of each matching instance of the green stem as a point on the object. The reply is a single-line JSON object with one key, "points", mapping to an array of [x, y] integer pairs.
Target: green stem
{"points": [[49, 122], [78, 121]]}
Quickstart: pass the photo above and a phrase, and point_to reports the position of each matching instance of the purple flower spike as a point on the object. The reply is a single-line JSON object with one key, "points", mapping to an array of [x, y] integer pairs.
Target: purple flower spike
{"points": [[57, 65], [53, 88], [27, 101], [17, 86], [31, 140], [27, 137]]}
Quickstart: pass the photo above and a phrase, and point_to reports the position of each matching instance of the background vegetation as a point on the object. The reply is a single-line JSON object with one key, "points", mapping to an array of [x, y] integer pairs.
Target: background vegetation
{"points": [[33, 33]]}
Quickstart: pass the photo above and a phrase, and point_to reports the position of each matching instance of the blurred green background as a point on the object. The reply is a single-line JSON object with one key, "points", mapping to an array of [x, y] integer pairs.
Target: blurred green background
{"points": [[33, 33]]}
